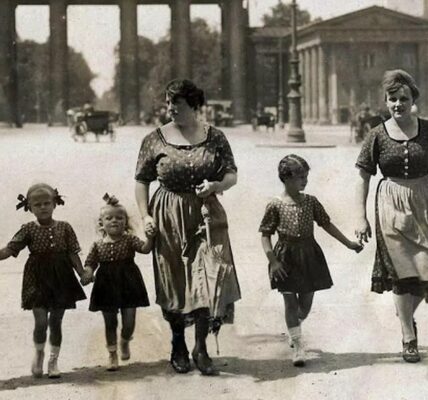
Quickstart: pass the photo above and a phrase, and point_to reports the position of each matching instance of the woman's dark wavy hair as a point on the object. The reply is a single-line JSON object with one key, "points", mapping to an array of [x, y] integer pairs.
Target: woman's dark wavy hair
{"points": [[395, 79], [292, 165], [186, 89]]}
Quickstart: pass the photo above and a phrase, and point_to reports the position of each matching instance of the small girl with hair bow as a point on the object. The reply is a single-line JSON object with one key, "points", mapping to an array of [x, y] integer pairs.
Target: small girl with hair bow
{"points": [[297, 266], [118, 283], [49, 285]]}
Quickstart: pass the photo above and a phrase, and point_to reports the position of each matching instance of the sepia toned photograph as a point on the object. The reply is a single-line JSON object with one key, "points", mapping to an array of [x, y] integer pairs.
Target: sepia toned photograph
{"points": [[214, 199]]}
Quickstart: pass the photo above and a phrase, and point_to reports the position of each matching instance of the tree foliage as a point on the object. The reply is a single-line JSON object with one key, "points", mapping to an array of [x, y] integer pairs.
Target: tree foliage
{"points": [[154, 65], [280, 15], [33, 80]]}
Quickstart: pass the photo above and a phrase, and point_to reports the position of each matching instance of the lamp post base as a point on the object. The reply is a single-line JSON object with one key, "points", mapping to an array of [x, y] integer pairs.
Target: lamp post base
{"points": [[296, 135]]}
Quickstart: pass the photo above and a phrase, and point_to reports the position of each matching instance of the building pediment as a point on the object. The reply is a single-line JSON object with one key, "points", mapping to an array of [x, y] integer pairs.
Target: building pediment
{"points": [[371, 18]]}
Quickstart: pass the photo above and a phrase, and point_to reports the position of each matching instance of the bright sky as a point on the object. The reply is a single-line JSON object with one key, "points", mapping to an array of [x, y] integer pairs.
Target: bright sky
{"points": [[94, 30]]}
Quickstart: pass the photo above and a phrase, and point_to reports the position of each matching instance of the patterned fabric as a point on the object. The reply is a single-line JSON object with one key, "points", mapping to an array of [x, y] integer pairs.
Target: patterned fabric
{"points": [[41, 239], [405, 159], [118, 280], [294, 220], [401, 209], [122, 249], [297, 249], [180, 168], [49, 279], [176, 210]]}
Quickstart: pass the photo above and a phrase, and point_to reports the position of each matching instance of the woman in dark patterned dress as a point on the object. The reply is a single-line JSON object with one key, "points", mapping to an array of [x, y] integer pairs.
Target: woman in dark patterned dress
{"points": [[192, 162], [49, 285], [399, 147]]}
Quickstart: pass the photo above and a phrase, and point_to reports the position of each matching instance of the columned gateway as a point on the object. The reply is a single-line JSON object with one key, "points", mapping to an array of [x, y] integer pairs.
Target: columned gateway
{"points": [[234, 36]]}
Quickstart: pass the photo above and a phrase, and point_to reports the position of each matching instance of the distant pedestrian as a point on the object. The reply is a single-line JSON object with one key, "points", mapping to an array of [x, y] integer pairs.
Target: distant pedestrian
{"points": [[49, 284], [119, 285], [297, 266]]}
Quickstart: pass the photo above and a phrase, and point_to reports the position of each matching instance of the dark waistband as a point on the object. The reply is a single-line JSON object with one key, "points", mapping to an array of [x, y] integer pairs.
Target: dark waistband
{"points": [[282, 238]]}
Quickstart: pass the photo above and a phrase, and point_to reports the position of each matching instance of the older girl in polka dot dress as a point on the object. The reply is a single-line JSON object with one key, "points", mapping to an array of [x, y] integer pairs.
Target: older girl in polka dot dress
{"points": [[118, 283], [297, 266], [49, 285]]}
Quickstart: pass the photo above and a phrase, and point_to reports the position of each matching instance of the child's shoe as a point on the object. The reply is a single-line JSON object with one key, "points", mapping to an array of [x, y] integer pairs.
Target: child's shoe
{"points": [[113, 360], [37, 364], [410, 352], [53, 371], [299, 355], [125, 353]]}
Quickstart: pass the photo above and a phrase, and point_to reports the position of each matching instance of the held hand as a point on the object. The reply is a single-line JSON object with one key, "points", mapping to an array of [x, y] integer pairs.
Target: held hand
{"points": [[87, 277], [356, 246], [150, 228], [363, 231], [277, 270], [206, 188]]}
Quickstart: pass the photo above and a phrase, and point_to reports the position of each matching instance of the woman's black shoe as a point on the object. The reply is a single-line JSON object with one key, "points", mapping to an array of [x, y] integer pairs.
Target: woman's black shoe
{"points": [[204, 363], [180, 361]]}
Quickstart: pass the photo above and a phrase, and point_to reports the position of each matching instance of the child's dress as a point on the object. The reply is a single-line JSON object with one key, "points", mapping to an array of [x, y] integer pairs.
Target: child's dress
{"points": [[49, 280], [296, 248], [118, 281]]}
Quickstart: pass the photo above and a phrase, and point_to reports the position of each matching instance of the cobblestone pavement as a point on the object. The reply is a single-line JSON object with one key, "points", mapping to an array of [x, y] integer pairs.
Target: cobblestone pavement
{"points": [[352, 335]]}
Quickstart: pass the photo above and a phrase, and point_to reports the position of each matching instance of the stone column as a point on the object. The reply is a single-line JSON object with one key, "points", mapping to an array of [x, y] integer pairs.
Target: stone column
{"points": [[8, 64], [58, 63], [314, 84], [225, 35], [422, 79], [129, 82], [333, 95], [324, 117], [237, 71], [307, 86], [302, 74], [181, 53]]}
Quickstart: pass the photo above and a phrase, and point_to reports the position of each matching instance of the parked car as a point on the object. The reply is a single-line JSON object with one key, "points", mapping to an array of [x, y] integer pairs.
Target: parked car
{"points": [[219, 112]]}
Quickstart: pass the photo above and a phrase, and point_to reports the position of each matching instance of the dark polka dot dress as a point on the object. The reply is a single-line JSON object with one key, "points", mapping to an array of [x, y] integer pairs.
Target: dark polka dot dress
{"points": [[176, 209], [296, 248], [118, 280], [49, 279]]}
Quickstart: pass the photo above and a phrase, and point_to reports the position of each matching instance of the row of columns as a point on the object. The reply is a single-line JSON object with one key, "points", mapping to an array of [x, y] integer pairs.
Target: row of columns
{"points": [[318, 84], [234, 25]]}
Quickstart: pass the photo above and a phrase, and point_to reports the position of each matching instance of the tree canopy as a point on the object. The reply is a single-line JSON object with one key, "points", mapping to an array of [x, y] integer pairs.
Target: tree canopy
{"points": [[33, 81], [154, 64], [280, 15]]}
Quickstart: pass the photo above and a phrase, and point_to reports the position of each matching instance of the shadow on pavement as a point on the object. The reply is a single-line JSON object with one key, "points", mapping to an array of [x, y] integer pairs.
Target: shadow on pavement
{"points": [[259, 369], [317, 362], [93, 375]]}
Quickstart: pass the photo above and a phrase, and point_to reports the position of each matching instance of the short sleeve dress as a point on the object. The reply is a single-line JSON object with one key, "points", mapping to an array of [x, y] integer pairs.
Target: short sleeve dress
{"points": [[118, 280], [296, 247], [401, 209], [179, 271], [49, 280]]}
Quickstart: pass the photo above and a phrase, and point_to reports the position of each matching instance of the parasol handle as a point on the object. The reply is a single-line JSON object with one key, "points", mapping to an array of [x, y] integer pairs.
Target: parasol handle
{"points": [[207, 219]]}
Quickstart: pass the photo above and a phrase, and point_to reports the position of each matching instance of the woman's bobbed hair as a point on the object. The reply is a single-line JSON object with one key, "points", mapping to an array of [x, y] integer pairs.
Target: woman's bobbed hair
{"points": [[394, 79], [186, 89], [292, 165]]}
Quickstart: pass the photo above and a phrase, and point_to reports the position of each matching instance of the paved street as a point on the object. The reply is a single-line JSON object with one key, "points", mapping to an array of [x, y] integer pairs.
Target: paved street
{"points": [[352, 335]]}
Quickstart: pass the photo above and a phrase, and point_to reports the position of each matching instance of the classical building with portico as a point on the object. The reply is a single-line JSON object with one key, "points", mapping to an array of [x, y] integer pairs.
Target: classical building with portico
{"points": [[342, 61]]}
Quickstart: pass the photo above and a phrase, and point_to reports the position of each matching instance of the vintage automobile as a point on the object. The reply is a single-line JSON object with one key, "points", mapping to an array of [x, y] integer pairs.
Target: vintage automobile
{"points": [[219, 112], [263, 118], [82, 122]]}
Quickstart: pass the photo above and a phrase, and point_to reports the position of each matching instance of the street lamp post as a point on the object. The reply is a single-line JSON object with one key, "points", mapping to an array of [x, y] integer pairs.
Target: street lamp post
{"points": [[295, 132], [280, 86]]}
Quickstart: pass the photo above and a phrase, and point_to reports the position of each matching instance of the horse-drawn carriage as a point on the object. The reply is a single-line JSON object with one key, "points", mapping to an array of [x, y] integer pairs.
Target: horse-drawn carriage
{"points": [[82, 122]]}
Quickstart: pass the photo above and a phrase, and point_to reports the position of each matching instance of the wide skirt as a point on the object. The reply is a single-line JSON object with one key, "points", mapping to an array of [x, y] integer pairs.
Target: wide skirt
{"points": [[118, 284], [189, 274], [305, 265], [49, 282], [401, 262]]}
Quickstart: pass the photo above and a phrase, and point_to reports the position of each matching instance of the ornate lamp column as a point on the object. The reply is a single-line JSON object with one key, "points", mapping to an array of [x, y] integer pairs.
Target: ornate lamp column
{"points": [[280, 86], [295, 132]]}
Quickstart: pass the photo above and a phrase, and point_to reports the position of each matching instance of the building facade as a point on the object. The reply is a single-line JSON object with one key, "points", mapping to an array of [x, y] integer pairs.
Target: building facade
{"points": [[342, 61]]}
